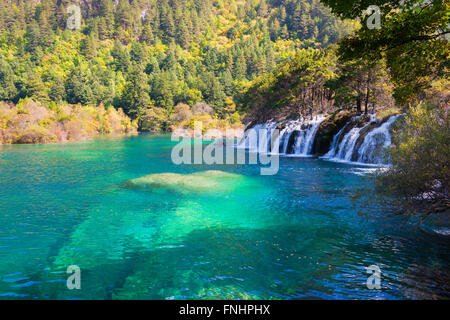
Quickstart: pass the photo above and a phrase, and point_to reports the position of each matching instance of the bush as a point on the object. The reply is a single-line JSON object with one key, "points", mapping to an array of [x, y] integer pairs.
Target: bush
{"points": [[35, 134], [420, 157], [182, 112], [235, 119], [153, 119]]}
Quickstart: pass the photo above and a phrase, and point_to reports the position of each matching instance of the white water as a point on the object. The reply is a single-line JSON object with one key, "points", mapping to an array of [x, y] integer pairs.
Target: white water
{"points": [[286, 134], [304, 141], [334, 144], [263, 143], [347, 145], [374, 140], [370, 151]]}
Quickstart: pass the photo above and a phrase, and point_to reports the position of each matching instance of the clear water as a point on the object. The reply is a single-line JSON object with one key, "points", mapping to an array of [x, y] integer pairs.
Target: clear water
{"points": [[289, 236]]}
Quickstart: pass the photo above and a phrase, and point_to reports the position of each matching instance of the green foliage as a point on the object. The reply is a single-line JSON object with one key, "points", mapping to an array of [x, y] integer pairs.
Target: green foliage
{"points": [[420, 156], [139, 54], [153, 120], [295, 87], [361, 83], [410, 40], [8, 89], [411, 43]]}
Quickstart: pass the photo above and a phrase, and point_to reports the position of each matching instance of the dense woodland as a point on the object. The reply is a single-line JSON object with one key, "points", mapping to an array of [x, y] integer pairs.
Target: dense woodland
{"points": [[147, 57]]}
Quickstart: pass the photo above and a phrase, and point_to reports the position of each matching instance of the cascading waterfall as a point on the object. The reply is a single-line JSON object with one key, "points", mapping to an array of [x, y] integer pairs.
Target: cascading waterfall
{"points": [[344, 150], [286, 135], [348, 144], [296, 137], [371, 150], [305, 131], [334, 144], [305, 139]]}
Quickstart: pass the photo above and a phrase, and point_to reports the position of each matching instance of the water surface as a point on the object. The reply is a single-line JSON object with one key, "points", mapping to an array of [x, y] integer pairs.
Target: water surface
{"points": [[289, 236]]}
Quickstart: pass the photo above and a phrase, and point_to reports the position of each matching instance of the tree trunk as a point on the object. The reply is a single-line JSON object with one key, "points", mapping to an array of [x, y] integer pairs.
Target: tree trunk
{"points": [[358, 104], [367, 100]]}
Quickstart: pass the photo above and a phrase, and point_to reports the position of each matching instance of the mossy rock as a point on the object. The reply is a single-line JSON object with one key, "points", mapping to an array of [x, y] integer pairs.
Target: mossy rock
{"points": [[198, 182], [329, 128]]}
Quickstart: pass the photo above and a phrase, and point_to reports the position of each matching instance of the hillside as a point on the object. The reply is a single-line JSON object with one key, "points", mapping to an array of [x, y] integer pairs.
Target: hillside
{"points": [[148, 56]]}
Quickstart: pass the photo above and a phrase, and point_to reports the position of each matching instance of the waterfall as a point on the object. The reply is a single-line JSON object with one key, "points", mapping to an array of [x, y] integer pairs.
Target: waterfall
{"points": [[305, 131], [347, 145], [334, 144], [287, 132], [305, 139], [371, 150], [296, 137]]}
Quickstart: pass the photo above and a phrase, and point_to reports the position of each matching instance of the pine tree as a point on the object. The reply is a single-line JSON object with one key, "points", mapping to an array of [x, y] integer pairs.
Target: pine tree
{"points": [[57, 91], [8, 90], [136, 93]]}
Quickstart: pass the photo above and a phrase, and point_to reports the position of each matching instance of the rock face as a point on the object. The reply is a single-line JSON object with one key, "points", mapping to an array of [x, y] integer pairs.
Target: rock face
{"points": [[198, 182], [328, 129]]}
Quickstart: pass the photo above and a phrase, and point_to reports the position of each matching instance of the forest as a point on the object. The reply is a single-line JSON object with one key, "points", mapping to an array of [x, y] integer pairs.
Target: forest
{"points": [[154, 58]]}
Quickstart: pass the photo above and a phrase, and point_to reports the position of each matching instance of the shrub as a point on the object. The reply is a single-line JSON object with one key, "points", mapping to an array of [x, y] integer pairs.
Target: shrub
{"points": [[35, 134], [182, 112], [153, 119], [201, 108], [421, 157], [235, 119]]}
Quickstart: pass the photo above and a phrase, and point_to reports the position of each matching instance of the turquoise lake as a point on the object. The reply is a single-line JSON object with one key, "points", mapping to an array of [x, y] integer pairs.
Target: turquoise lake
{"points": [[294, 235]]}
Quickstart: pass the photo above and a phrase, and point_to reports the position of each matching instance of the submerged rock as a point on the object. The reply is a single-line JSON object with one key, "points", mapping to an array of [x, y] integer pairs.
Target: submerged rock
{"points": [[198, 182], [438, 223]]}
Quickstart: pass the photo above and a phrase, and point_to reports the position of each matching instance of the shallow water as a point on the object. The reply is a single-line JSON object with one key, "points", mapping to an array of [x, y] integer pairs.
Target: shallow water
{"points": [[289, 236]]}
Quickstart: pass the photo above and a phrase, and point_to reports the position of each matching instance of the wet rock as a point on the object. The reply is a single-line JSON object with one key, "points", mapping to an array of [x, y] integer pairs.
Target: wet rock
{"points": [[291, 141], [438, 223], [328, 129]]}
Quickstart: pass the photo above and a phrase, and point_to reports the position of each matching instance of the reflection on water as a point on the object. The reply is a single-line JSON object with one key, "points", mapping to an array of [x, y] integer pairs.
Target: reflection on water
{"points": [[290, 236]]}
